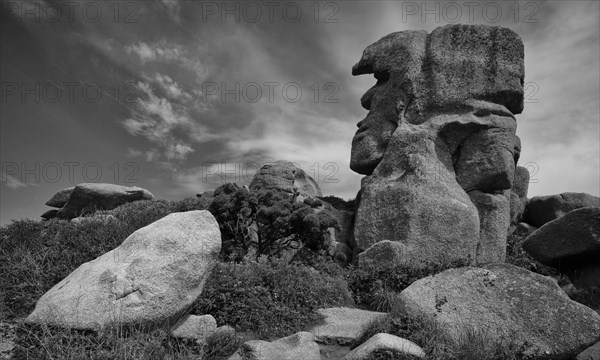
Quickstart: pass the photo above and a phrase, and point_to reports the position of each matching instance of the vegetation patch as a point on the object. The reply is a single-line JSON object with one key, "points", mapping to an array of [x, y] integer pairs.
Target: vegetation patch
{"points": [[270, 298]]}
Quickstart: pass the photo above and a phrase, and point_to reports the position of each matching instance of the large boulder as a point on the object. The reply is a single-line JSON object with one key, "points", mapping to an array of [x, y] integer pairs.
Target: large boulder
{"points": [[475, 62], [300, 346], [59, 199], [100, 196], [574, 237], [150, 279], [505, 302], [286, 176], [543, 209], [571, 244]]}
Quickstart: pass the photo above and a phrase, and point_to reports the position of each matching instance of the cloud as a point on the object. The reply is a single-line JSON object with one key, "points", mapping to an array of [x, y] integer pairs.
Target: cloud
{"points": [[14, 183], [155, 119], [171, 88], [159, 51]]}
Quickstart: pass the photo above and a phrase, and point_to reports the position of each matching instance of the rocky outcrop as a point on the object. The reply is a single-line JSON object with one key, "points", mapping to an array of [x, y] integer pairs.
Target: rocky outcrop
{"points": [[507, 303], [92, 196], [384, 341], [59, 199], [150, 279], [439, 144], [571, 244], [300, 346], [100, 196], [286, 176], [543, 209]]}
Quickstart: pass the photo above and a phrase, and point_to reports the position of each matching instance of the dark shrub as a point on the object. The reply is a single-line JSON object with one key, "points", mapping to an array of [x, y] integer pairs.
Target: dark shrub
{"points": [[373, 287], [268, 221]]}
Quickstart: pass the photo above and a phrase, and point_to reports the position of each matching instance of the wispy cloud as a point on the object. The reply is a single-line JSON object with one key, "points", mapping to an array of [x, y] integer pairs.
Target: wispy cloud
{"points": [[160, 51], [156, 118], [171, 88], [14, 183]]}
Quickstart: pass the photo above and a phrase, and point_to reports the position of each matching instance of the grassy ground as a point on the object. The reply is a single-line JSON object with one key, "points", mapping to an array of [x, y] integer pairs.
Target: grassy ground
{"points": [[265, 299]]}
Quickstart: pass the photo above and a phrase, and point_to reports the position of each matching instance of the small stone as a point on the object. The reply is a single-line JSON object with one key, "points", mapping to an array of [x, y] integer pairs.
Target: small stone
{"points": [[385, 341], [195, 327], [343, 326]]}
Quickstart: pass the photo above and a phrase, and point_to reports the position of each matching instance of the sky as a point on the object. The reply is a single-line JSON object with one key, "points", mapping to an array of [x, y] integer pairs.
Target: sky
{"points": [[179, 97]]}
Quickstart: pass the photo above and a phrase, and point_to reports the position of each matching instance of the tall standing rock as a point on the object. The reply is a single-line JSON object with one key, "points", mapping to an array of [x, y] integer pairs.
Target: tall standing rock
{"points": [[150, 279], [439, 144]]}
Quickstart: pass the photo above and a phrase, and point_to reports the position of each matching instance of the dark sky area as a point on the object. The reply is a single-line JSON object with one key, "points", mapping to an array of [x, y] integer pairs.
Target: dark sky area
{"points": [[179, 97]]}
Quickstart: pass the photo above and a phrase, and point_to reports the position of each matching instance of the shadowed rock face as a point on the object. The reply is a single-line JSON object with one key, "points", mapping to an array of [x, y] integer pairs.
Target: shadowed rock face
{"points": [[439, 144], [396, 62]]}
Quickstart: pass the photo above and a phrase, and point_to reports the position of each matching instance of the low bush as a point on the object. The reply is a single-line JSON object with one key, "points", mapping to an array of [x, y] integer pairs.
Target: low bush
{"points": [[221, 345], [36, 255], [374, 287], [44, 342], [471, 345], [270, 298]]}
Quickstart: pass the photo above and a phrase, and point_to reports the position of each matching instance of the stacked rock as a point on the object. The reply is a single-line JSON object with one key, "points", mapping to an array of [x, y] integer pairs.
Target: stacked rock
{"points": [[439, 146]]}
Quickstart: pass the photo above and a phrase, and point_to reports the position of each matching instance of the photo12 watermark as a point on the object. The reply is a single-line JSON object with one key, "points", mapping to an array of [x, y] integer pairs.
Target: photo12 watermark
{"points": [[73, 172], [269, 11], [238, 172], [69, 12], [25, 92], [269, 91], [469, 12]]}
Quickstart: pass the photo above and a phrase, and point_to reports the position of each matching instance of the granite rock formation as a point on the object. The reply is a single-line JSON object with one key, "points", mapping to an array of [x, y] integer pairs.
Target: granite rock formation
{"points": [[439, 146], [73, 201], [286, 176], [571, 244]]}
